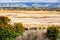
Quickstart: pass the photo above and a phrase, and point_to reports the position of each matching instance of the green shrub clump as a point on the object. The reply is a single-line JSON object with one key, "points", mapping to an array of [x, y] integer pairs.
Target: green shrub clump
{"points": [[53, 32], [9, 32]]}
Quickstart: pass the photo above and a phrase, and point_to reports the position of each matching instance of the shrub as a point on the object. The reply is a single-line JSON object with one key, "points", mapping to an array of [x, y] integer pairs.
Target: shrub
{"points": [[19, 28], [4, 19], [53, 32], [9, 32]]}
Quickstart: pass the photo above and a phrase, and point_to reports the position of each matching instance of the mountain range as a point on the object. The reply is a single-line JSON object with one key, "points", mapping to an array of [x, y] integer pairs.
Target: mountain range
{"points": [[31, 5]]}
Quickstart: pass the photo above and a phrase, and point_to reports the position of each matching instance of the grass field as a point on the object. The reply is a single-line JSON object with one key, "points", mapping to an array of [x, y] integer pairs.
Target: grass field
{"points": [[33, 17]]}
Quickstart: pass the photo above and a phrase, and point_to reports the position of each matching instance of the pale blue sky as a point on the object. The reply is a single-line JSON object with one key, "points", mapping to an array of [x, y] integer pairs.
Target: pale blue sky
{"points": [[29, 0]]}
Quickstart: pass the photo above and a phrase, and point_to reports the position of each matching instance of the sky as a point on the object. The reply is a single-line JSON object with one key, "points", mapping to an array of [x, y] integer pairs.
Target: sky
{"points": [[29, 0]]}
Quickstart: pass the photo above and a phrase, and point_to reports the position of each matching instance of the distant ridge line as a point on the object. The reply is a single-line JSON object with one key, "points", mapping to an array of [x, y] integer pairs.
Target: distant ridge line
{"points": [[30, 5]]}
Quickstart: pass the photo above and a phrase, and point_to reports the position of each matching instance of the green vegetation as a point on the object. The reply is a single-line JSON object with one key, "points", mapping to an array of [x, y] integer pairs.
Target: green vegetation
{"points": [[19, 28], [9, 32], [4, 20], [53, 32]]}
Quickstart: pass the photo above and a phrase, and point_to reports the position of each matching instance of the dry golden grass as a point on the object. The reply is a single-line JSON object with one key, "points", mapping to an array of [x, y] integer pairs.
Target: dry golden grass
{"points": [[38, 12]]}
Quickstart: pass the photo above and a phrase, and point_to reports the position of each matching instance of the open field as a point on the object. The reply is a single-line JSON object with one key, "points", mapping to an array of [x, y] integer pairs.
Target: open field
{"points": [[33, 18]]}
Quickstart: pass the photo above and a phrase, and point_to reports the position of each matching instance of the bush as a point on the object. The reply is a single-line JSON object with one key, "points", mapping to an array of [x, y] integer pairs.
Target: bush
{"points": [[19, 28], [53, 32], [4, 19], [9, 32]]}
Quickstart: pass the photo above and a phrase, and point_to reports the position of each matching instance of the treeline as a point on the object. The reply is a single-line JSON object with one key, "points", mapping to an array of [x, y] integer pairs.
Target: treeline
{"points": [[30, 9]]}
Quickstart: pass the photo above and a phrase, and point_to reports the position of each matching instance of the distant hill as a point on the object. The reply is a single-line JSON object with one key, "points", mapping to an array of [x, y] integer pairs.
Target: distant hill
{"points": [[30, 5]]}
